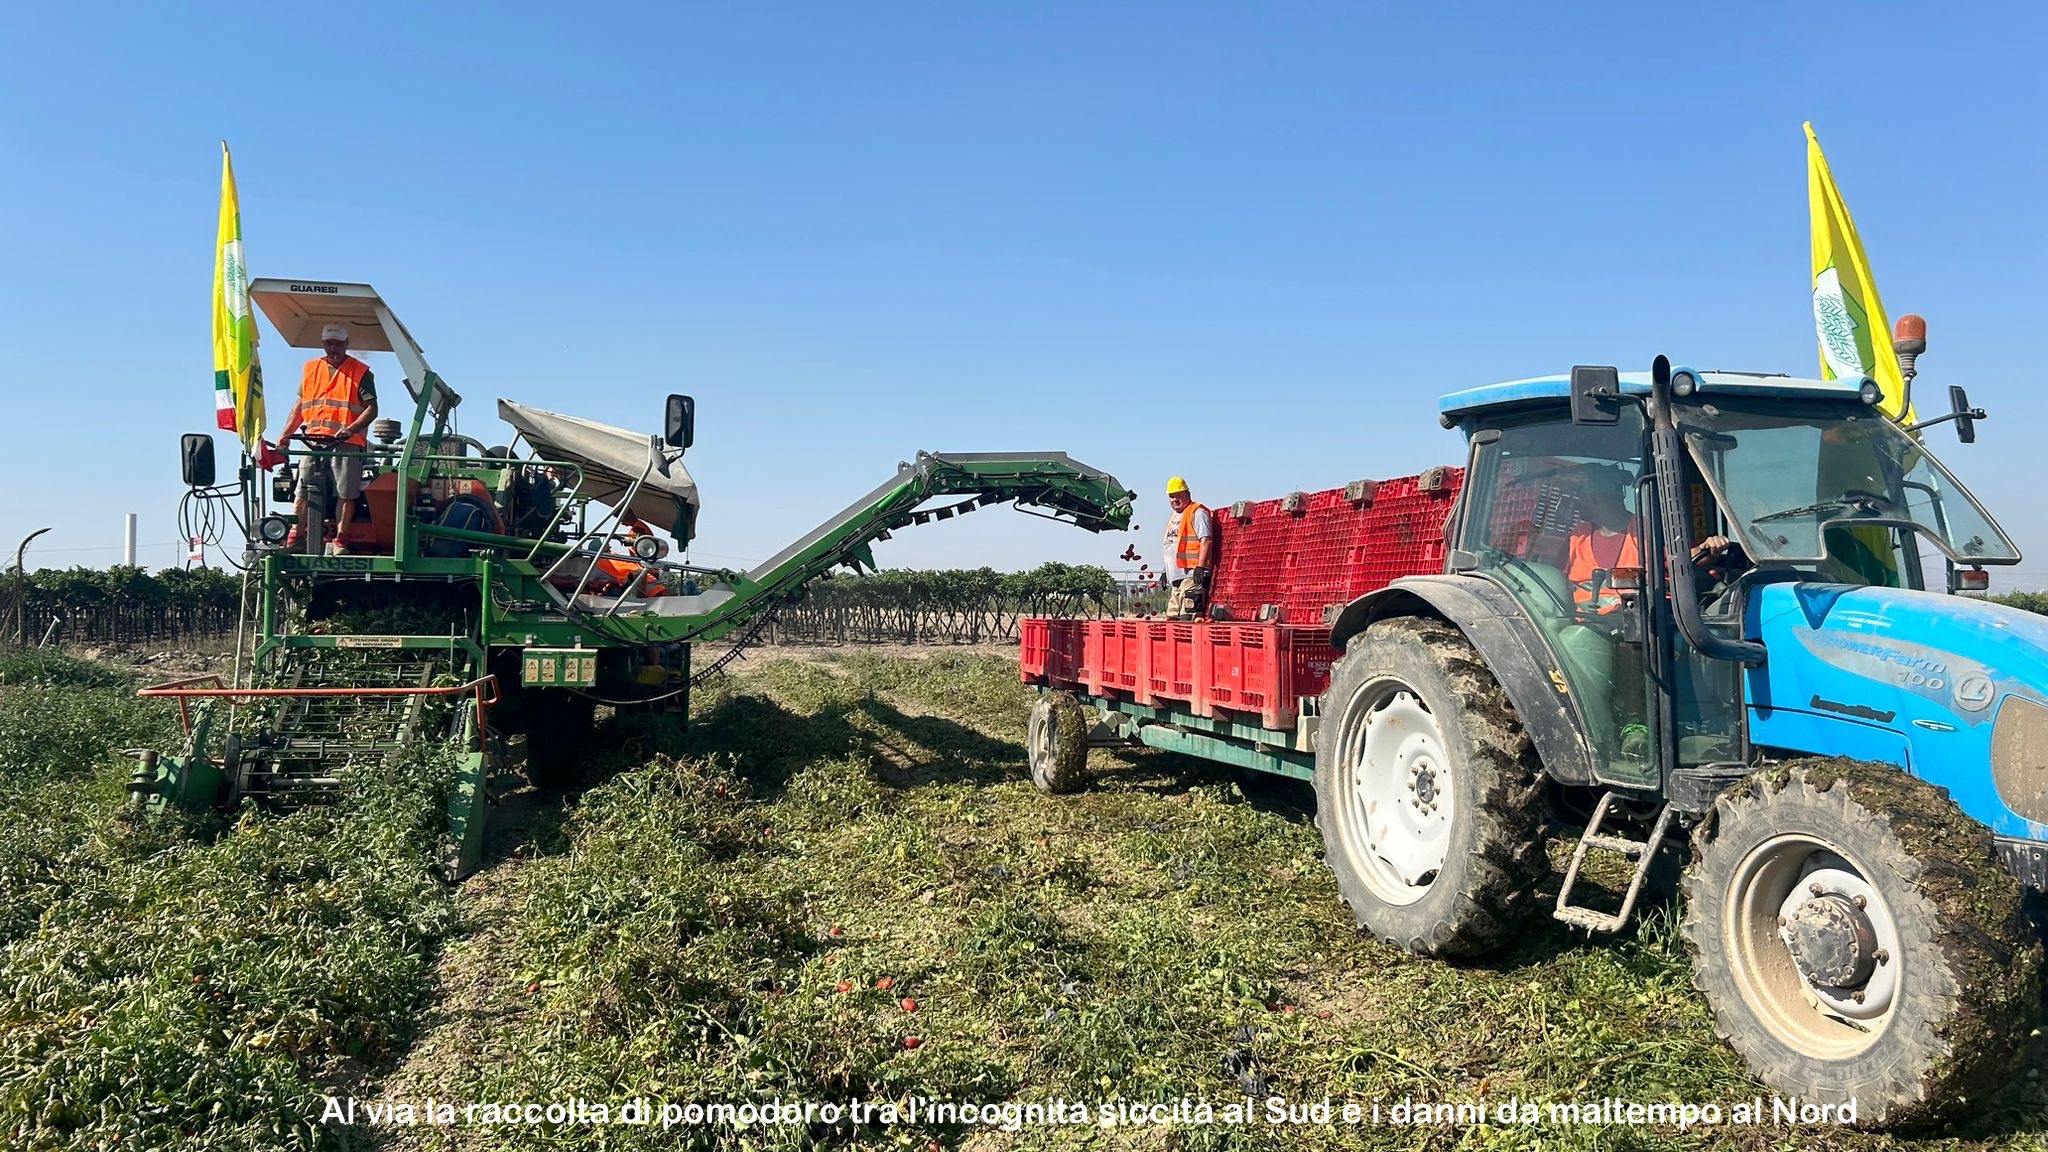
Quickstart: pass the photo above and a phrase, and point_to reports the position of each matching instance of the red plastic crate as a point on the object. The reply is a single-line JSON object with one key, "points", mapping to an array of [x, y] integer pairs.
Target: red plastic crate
{"points": [[1312, 657], [1112, 655], [1064, 652], [1034, 637], [1170, 660]]}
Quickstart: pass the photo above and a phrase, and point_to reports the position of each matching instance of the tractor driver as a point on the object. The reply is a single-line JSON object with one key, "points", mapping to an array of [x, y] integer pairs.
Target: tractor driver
{"points": [[1608, 539], [337, 401]]}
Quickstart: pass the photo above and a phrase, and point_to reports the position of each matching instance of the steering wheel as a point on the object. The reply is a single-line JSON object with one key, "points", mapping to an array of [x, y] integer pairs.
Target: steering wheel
{"points": [[464, 444]]}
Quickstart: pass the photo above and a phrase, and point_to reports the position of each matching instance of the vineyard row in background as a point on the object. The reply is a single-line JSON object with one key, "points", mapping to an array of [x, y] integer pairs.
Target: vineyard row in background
{"points": [[956, 606], [964, 606]]}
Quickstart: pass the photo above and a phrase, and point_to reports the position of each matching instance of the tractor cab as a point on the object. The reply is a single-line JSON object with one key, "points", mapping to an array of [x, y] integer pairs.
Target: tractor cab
{"points": [[1626, 556]]}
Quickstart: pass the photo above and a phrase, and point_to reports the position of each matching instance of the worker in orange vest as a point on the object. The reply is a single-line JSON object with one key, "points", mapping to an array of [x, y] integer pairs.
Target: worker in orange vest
{"points": [[1190, 552], [337, 401], [1608, 539]]}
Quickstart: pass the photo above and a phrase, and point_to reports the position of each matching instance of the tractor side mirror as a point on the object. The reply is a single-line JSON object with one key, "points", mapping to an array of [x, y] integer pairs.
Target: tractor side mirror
{"points": [[195, 452], [1596, 395], [679, 426], [1966, 416]]}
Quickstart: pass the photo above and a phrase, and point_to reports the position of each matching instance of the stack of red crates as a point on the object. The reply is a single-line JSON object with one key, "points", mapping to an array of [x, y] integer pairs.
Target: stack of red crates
{"points": [[1280, 565], [1219, 670], [1304, 553]]}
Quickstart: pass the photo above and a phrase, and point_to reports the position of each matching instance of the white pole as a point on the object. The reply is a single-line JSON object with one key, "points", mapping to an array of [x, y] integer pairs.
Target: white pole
{"points": [[128, 551]]}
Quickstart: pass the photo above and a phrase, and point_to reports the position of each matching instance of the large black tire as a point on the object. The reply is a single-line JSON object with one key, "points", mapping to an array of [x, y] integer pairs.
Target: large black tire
{"points": [[1959, 978], [558, 728], [1056, 743], [1464, 882]]}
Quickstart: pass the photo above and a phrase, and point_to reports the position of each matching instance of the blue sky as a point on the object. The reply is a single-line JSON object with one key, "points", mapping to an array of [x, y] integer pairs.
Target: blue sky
{"points": [[1248, 244]]}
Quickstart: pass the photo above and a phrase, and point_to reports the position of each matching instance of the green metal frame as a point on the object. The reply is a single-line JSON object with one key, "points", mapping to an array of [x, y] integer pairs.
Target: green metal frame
{"points": [[517, 606], [1228, 741]]}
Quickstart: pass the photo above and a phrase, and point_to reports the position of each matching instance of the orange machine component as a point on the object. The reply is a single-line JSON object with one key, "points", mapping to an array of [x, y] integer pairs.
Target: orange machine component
{"points": [[367, 527]]}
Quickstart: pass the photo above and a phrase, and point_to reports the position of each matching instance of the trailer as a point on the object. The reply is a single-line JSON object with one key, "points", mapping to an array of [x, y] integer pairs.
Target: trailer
{"points": [[1243, 686]]}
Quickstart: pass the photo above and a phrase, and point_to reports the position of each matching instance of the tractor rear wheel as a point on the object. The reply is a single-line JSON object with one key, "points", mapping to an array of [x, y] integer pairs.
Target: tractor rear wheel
{"points": [[1429, 794], [1056, 743], [1857, 939]]}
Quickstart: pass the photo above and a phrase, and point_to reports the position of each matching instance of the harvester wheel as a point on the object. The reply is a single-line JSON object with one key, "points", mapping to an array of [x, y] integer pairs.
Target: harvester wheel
{"points": [[558, 729], [1057, 740], [1428, 792], [1857, 939]]}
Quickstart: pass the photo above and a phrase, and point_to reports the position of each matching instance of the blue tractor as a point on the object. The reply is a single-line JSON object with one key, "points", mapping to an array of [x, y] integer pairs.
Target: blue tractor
{"points": [[1719, 604]]}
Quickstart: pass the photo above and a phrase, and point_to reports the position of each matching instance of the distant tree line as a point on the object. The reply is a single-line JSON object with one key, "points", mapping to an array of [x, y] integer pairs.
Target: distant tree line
{"points": [[125, 604], [122, 604], [950, 606]]}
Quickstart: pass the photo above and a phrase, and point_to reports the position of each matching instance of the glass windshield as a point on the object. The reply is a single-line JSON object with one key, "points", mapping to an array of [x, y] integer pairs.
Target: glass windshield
{"points": [[1797, 475]]}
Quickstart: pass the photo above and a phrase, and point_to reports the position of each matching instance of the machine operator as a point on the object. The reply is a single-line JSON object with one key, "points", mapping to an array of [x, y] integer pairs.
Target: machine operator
{"points": [[337, 401]]}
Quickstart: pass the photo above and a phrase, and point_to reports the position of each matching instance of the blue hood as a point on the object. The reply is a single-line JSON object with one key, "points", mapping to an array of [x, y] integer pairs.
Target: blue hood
{"points": [[1914, 678]]}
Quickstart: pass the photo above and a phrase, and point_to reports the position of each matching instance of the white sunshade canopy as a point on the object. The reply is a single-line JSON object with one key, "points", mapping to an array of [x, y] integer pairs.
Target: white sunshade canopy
{"points": [[612, 459]]}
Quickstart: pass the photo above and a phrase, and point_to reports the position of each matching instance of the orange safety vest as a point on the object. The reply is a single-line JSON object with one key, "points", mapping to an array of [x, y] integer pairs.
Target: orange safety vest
{"points": [[1187, 551], [1594, 557], [331, 399]]}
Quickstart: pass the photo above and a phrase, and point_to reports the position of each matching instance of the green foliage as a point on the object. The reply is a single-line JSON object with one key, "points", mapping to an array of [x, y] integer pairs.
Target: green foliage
{"points": [[717, 926], [120, 603], [1039, 591], [72, 589], [2036, 602], [47, 668], [177, 990]]}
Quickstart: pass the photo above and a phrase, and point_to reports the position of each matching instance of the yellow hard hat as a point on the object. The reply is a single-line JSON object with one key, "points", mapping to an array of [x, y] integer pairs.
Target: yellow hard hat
{"points": [[1176, 484]]}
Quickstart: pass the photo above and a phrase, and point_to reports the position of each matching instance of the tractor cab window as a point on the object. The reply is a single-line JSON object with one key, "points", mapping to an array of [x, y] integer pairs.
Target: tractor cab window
{"points": [[1551, 515], [1834, 488]]}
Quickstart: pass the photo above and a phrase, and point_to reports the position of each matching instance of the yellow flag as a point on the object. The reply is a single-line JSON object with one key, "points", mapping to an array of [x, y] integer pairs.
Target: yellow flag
{"points": [[237, 374], [1855, 335]]}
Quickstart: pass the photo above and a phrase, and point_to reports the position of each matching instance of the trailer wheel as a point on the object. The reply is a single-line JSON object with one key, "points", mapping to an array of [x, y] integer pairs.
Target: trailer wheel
{"points": [[1057, 743], [558, 728], [1857, 939], [1428, 793]]}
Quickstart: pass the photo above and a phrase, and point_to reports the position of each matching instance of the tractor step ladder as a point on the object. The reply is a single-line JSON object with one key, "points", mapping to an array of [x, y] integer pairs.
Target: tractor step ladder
{"points": [[1643, 852]]}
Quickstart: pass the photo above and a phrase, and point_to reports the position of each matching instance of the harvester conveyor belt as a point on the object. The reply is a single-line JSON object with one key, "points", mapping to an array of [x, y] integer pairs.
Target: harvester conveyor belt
{"points": [[1053, 483]]}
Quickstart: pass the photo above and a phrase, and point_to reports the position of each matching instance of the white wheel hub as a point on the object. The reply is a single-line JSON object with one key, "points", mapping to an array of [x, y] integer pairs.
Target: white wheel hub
{"points": [[1835, 912], [1402, 791]]}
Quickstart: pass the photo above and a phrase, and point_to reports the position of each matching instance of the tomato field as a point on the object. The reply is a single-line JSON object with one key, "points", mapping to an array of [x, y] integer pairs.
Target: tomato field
{"points": [[839, 885]]}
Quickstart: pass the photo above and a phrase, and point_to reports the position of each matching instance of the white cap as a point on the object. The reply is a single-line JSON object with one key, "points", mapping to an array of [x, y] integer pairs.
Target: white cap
{"points": [[334, 332]]}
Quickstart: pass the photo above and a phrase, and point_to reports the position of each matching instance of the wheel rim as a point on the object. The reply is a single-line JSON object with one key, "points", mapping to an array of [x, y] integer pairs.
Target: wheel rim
{"points": [[1040, 737], [1397, 803], [1813, 946]]}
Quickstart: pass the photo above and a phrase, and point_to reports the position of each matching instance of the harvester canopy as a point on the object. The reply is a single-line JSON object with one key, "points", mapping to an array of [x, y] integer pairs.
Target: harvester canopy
{"points": [[614, 462]]}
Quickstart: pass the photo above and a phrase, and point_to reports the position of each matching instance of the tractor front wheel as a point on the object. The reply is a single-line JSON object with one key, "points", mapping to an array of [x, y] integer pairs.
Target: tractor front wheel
{"points": [[1056, 743], [1858, 940], [1428, 792]]}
